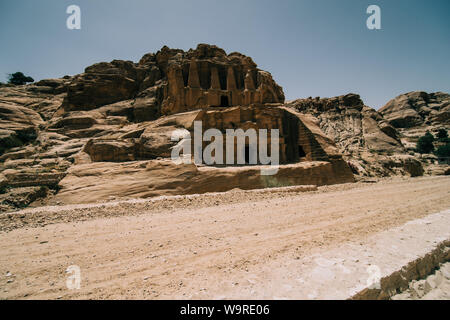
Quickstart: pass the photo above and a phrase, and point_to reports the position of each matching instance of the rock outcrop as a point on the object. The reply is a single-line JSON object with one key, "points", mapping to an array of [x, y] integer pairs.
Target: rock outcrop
{"points": [[102, 181], [108, 131], [417, 109], [354, 126], [415, 113], [173, 81], [370, 143]]}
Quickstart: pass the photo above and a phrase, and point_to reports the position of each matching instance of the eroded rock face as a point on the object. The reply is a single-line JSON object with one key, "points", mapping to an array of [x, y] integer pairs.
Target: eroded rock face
{"points": [[30, 166], [103, 83], [152, 140], [117, 111], [100, 181], [415, 109], [354, 127], [139, 165], [114, 122], [415, 113], [173, 81], [18, 126], [370, 144]]}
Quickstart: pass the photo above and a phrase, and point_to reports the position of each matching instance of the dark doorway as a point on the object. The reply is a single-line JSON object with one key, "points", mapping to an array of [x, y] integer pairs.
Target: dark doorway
{"points": [[301, 152], [224, 101]]}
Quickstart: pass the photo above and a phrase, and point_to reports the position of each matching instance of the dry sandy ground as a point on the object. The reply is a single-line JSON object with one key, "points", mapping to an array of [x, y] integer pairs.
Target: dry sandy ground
{"points": [[206, 246]]}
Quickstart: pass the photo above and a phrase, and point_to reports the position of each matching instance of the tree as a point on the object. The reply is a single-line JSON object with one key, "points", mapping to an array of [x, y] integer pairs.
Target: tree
{"points": [[442, 135], [443, 151], [425, 143], [19, 78]]}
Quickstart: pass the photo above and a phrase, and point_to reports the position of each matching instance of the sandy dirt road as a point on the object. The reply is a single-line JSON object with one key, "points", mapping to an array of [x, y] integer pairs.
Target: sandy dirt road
{"points": [[210, 246]]}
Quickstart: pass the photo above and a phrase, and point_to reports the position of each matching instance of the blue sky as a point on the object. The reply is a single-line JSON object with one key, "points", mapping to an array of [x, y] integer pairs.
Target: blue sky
{"points": [[311, 47]]}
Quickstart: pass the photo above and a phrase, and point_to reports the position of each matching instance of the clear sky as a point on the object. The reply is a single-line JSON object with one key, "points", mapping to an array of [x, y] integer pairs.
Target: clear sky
{"points": [[311, 47]]}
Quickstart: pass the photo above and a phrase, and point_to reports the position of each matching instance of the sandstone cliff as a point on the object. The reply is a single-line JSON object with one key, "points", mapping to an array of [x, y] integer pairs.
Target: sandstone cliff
{"points": [[107, 132], [414, 113], [418, 109], [373, 142], [172, 81]]}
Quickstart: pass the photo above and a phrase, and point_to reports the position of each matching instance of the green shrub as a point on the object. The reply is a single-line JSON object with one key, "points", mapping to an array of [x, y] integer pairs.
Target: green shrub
{"points": [[18, 78], [425, 143], [442, 135], [443, 151]]}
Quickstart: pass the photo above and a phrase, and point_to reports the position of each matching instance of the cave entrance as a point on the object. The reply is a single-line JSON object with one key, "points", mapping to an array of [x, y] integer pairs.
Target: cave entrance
{"points": [[224, 102], [301, 152]]}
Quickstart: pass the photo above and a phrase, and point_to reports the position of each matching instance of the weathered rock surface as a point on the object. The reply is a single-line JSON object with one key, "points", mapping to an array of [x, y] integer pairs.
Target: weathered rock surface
{"points": [[101, 181], [434, 287], [355, 127], [22, 197], [109, 130], [418, 108], [414, 113], [372, 144], [360, 133], [120, 115], [173, 81]]}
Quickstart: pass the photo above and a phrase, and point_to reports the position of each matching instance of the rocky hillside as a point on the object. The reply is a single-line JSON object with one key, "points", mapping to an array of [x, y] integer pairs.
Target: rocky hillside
{"points": [[171, 81], [418, 109], [106, 133], [355, 127], [381, 143], [413, 113]]}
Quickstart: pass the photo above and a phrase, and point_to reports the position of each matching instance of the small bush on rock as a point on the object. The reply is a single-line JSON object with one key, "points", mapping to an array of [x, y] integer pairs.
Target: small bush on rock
{"points": [[425, 143]]}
